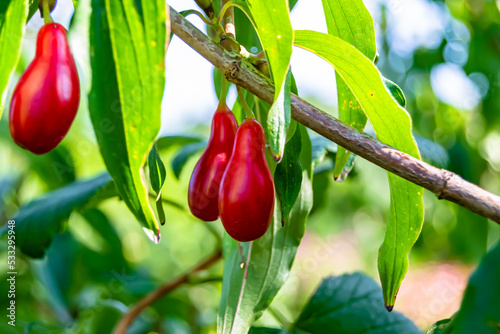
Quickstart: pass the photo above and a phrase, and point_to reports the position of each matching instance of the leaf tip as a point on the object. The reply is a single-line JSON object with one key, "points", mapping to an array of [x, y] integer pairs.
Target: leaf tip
{"points": [[389, 308]]}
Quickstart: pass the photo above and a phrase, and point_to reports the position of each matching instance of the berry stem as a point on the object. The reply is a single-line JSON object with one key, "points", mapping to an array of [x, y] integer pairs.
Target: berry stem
{"points": [[228, 20], [46, 12], [223, 94], [248, 112], [200, 15]]}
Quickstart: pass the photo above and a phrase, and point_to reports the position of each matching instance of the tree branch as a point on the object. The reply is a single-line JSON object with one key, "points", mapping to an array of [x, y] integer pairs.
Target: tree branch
{"points": [[163, 290], [443, 183]]}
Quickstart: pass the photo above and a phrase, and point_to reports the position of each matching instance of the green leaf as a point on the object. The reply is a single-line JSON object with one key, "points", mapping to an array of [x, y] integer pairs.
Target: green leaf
{"points": [[183, 154], [351, 304], [278, 120], [350, 21], [157, 174], [13, 14], [245, 32], [396, 92], [157, 171], [33, 8], [37, 221], [253, 277], [480, 309], [127, 59], [292, 4], [288, 176], [272, 22], [392, 126]]}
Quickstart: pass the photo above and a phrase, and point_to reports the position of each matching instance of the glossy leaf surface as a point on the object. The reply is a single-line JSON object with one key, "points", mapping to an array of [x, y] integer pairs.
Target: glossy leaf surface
{"points": [[13, 14], [272, 23], [350, 21], [392, 126], [128, 39]]}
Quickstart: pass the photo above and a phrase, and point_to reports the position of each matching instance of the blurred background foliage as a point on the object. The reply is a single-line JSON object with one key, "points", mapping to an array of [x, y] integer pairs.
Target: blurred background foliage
{"points": [[445, 55]]}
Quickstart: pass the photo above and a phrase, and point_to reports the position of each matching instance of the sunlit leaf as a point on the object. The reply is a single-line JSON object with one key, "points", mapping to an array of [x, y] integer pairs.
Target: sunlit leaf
{"points": [[275, 32], [127, 58], [350, 21], [13, 14], [392, 126]]}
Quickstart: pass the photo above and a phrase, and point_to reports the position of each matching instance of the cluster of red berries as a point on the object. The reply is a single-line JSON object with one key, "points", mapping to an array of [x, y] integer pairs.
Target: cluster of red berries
{"points": [[232, 179]]}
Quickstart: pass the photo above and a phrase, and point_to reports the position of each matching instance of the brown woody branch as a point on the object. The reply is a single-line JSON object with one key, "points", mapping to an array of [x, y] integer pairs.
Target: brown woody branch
{"points": [[443, 183], [163, 290]]}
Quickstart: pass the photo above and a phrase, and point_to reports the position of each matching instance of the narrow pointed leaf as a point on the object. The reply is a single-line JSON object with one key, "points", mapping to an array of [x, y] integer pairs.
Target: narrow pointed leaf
{"points": [[395, 91], [350, 21], [157, 174], [253, 277], [278, 121], [127, 58], [273, 26], [288, 176], [13, 14], [392, 126]]}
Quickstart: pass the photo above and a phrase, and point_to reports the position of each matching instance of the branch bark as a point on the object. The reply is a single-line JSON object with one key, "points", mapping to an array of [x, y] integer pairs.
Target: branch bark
{"points": [[163, 290], [443, 183]]}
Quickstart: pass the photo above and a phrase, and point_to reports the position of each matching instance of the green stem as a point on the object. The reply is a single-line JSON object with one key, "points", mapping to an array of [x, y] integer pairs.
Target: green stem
{"points": [[257, 108], [46, 12], [226, 6], [223, 94], [200, 15], [248, 112]]}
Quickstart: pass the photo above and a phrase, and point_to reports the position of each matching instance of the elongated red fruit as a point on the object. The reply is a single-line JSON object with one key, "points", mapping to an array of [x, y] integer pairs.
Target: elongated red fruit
{"points": [[246, 195], [46, 98], [205, 181]]}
